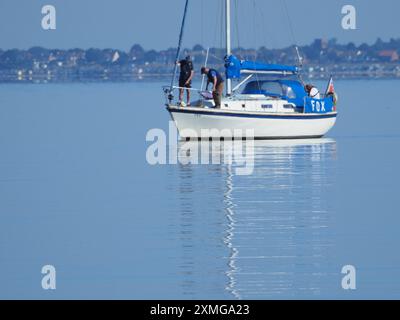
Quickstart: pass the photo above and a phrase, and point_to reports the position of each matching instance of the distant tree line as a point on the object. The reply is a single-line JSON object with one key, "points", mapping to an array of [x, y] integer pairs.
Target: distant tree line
{"points": [[106, 63], [320, 51]]}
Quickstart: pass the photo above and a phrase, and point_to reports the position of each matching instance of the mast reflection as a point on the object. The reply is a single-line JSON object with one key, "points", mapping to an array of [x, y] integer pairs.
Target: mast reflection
{"points": [[274, 224]]}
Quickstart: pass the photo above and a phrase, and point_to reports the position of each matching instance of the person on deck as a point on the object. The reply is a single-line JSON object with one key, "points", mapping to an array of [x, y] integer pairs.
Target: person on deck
{"points": [[185, 77], [312, 91], [214, 77]]}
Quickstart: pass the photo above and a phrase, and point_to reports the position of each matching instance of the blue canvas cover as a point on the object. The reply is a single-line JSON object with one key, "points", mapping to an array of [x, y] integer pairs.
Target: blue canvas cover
{"points": [[234, 67]]}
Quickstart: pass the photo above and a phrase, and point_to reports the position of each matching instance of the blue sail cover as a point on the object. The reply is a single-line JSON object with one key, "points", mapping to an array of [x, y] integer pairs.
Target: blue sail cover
{"points": [[235, 67]]}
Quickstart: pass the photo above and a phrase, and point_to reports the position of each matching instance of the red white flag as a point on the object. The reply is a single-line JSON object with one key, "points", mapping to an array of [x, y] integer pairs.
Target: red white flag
{"points": [[330, 88], [330, 91]]}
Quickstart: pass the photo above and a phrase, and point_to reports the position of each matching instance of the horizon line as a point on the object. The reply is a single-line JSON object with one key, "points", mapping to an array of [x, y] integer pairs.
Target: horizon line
{"points": [[205, 47]]}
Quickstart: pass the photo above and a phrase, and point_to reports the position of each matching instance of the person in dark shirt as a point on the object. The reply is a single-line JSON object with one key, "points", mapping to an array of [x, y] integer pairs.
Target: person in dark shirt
{"points": [[214, 77], [185, 77]]}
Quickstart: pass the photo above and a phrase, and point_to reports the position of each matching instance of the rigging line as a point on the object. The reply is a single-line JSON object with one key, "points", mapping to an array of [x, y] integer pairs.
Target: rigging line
{"points": [[215, 39], [264, 28], [255, 29], [205, 65], [216, 57], [255, 37], [178, 51], [297, 51], [222, 25], [289, 21], [202, 22]]}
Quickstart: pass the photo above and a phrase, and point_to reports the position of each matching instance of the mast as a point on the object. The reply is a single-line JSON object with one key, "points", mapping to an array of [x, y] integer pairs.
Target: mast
{"points": [[228, 42]]}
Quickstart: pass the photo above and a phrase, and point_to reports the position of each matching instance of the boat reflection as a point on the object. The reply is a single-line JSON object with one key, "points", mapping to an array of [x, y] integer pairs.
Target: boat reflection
{"points": [[258, 236]]}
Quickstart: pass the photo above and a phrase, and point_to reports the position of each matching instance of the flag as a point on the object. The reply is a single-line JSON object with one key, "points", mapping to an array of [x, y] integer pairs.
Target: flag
{"points": [[330, 88], [330, 91]]}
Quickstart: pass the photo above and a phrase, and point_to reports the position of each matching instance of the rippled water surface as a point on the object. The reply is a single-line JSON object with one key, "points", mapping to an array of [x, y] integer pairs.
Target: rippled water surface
{"points": [[77, 192]]}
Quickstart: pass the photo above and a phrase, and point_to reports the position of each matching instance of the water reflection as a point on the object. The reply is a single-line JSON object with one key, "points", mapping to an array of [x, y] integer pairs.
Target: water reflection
{"points": [[264, 235]]}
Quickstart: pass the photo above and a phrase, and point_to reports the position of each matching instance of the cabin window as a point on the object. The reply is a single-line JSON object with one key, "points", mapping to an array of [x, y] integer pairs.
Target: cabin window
{"points": [[288, 92], [271, 88]]}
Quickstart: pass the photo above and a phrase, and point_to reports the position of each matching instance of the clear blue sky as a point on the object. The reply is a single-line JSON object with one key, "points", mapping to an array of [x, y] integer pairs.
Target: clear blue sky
{"points": [[155, 23]]}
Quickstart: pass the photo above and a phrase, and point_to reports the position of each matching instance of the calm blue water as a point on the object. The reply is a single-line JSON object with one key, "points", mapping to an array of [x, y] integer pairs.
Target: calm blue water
{"points": [[77, 192]]}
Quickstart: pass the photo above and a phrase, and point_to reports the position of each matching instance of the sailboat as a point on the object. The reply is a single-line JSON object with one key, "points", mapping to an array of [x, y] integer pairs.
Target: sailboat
{"points": [[270, 101]]}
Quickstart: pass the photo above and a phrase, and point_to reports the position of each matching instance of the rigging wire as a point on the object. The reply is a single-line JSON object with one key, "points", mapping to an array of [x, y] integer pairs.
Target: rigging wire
{"points": [[268, 37], [218, 31], [222, 25], [297, 51], [202, 22], [215, 39], [178, 51], [205, 65], [255, 42]]}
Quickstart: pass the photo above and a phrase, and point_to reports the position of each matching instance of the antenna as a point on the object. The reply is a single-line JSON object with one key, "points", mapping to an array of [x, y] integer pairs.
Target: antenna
{"points": [[299, 57]]}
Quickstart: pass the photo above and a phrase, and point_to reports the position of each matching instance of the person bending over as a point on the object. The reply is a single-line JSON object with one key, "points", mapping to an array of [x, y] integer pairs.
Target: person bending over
{"points": [[215, 78]]}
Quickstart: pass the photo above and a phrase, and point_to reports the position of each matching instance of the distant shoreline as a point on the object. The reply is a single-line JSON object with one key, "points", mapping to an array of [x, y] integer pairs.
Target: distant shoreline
{"points": [[321, 59]]}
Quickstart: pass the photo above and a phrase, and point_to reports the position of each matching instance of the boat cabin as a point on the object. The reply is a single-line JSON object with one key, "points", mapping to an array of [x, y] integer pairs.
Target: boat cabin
{"points": [[290, 90]]}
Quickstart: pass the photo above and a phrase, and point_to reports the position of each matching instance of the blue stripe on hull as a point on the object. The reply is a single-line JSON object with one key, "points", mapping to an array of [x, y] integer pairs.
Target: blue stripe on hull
{"points": [[242, 115]]}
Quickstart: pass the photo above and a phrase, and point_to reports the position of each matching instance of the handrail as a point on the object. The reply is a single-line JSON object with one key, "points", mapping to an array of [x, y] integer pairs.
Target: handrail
{"points": [[185, 88], [168, 90]]}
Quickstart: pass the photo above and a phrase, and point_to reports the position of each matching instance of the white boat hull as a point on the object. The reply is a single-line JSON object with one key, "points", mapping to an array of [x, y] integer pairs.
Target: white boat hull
{"points": [[202, 123]]}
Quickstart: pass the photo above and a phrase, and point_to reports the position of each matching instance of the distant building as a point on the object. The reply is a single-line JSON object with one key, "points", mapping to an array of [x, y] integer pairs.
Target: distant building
{"points": [[389, 55], [321, 44]]}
